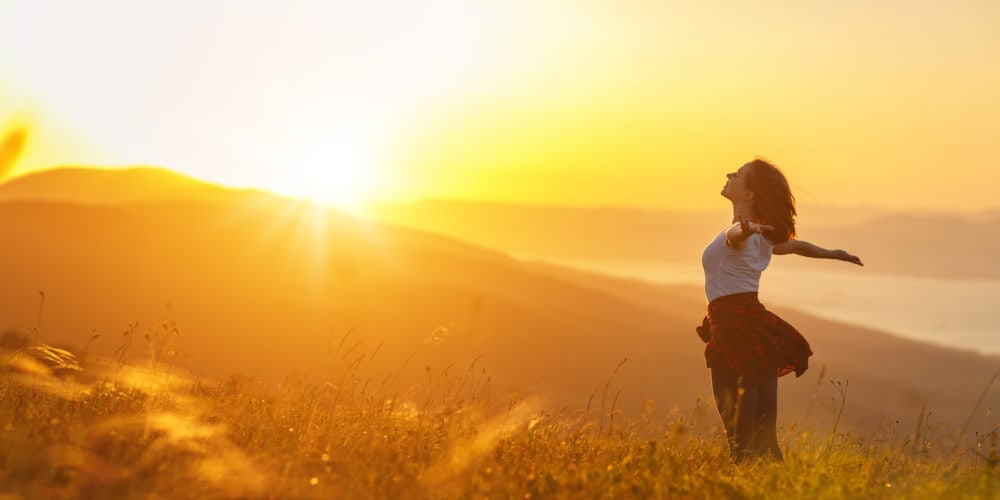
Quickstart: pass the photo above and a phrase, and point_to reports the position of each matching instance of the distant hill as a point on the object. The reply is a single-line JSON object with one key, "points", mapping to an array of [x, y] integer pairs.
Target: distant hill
{"points": [[269, 288], [112, 186], [926, 244]]}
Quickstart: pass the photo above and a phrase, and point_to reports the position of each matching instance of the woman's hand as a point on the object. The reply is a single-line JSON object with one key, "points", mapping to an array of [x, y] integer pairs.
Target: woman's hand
{"points": [[844, 256], [735, 239], [752, 227]]}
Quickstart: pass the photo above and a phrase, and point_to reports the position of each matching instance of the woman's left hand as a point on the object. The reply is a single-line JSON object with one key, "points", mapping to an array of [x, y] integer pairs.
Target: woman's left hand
{"points": [[843, 255]]}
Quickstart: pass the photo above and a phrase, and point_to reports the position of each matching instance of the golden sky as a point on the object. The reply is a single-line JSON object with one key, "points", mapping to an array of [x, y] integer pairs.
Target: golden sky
{"points": [[646, 103]]}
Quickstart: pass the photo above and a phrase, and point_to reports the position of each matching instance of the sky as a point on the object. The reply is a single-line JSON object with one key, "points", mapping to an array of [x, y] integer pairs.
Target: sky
{"points": [[634, 102]]}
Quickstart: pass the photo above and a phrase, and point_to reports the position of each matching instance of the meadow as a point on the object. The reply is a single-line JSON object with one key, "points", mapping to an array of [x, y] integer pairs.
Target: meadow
{"points": [[145, 429]]}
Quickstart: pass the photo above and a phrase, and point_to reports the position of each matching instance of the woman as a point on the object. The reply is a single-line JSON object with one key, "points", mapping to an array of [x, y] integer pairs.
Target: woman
{"points": [[748, 347]]}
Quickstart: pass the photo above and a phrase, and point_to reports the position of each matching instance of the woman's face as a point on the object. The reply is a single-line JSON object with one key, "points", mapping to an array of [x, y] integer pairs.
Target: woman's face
{"points": [[736, 185]]}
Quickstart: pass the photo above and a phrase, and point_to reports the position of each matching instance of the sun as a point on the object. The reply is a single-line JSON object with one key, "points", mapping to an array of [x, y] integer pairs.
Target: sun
{"points": [[341, 187], [342, 180]]}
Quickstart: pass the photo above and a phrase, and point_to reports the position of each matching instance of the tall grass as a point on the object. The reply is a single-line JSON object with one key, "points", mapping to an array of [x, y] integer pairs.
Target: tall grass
{"points": [[122, 429]]}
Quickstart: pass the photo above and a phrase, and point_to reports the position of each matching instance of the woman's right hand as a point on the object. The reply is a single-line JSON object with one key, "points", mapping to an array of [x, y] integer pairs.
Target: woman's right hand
{"points": [[752, 227]]}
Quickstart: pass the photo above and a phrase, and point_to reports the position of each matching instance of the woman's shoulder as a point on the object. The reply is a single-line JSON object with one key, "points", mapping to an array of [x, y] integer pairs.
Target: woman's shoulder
{"points": [[758, 246]]}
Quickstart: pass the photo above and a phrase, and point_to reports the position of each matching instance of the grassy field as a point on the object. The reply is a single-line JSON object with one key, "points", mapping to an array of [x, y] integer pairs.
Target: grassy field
{"points": [[119, 430]]}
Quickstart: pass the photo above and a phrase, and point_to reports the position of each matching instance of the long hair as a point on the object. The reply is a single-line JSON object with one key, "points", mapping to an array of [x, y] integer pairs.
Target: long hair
{"points": [[773, 202]]}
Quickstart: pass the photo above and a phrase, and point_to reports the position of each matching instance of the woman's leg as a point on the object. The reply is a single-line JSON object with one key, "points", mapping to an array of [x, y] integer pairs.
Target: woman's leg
{"points": [[765, 439], [737, 404], [749, 414]]}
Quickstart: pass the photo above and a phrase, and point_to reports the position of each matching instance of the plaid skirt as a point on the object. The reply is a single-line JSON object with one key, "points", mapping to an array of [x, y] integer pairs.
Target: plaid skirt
{"points": [[744, 338]]}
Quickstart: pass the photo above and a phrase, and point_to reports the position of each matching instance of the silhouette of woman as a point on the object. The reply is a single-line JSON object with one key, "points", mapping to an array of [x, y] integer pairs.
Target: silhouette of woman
{"points": [[747, 346]]}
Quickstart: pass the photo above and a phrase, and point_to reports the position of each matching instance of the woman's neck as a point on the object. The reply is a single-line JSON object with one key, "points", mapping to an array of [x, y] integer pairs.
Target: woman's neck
{"points": [[744, 208]]}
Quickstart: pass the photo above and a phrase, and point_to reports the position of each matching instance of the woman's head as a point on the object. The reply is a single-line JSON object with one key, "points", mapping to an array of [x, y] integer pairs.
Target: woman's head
{"points": [[773, 202]]}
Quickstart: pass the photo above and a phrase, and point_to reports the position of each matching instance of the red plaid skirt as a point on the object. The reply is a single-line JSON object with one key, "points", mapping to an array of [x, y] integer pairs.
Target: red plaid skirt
{"points": [[745, 338]]}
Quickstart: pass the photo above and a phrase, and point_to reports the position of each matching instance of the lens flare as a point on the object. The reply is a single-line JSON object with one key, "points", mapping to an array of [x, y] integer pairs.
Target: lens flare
{"points": [[11, 149]]}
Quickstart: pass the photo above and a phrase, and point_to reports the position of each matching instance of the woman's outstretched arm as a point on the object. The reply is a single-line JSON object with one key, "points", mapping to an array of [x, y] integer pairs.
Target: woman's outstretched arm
{"points": [[806, 249]]}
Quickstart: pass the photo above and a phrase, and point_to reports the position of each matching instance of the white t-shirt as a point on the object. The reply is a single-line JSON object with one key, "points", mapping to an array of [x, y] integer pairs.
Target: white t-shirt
{"points": [[729, 271]]}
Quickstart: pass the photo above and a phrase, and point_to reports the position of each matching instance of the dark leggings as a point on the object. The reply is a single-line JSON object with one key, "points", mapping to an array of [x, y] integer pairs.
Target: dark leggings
{"points": [[749, 413]]}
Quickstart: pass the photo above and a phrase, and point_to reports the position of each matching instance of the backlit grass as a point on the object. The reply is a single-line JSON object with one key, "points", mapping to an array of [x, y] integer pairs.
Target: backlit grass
{"points": [[123, 430]]}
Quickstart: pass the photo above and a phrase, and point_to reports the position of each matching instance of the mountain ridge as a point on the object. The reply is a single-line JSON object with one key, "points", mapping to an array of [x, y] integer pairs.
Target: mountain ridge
{"points": [[102, 186]]}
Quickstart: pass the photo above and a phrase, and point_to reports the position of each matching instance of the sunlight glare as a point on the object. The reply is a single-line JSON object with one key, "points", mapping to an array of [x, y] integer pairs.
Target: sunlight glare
{"points": [[339, 178]]}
